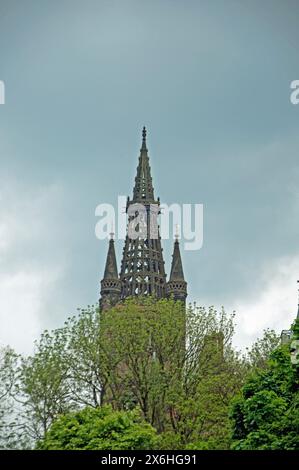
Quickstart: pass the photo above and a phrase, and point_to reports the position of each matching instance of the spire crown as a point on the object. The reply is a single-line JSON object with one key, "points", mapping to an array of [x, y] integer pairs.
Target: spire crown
{"points": [[143, 146], [143, 191]]}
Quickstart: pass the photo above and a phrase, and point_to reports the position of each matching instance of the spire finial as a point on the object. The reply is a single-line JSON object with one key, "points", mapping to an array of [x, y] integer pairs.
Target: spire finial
{"points": [[111, 235], [143, 147], [176, 235], [112, 232]]}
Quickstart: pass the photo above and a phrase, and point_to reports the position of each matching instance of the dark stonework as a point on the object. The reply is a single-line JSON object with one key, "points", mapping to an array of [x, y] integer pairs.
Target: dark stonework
{"points": [[177, 286], [142, 268], [110, 284]]}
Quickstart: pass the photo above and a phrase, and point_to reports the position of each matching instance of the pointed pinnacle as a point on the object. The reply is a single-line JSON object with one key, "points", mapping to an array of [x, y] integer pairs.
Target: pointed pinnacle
{"points": [[111, 265], [143, 147], [176, 273]]}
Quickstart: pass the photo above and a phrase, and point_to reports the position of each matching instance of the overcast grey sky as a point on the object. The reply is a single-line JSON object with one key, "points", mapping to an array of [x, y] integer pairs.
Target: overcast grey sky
{"points": [[211, 81]]}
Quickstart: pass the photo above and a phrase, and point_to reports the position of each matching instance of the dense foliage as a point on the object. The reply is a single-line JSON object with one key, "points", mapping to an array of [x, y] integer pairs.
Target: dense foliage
{"points": [[132, 357], [183, 393], [266, 415], [99, 429]]}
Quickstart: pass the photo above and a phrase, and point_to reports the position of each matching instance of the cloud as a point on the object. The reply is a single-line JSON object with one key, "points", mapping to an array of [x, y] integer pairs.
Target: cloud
{"points": [[23, 295], [76, 97], [275, 304], [31, 263]]}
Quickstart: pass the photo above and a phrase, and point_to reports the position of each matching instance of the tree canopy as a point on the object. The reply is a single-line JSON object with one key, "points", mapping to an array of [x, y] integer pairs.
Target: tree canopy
{"points": [[266, 414], [99, 429], [178, 368]]}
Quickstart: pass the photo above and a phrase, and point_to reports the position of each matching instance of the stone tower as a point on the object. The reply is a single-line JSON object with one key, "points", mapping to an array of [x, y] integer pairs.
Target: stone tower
{"points": [[142, 267]]}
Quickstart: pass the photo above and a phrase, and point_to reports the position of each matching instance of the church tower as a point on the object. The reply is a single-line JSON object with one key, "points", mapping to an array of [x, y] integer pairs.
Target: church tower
{"points": [[142, 267]]}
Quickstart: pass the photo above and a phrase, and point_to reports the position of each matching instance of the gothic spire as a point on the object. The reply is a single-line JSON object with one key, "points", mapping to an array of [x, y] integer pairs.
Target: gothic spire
{"points": [[176, 273], [177, 286], [110, 284], [143, 191], [111, 265], [142, 268]]}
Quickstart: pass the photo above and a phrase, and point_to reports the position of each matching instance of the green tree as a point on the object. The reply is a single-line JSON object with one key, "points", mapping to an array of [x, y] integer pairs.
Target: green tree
{"points": [[266, 414], [142, 346], [184, 392], [12, 425], [178, 367], [62, 375], [99, 429], [258, 354], [43, 386], [213, 374]]}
